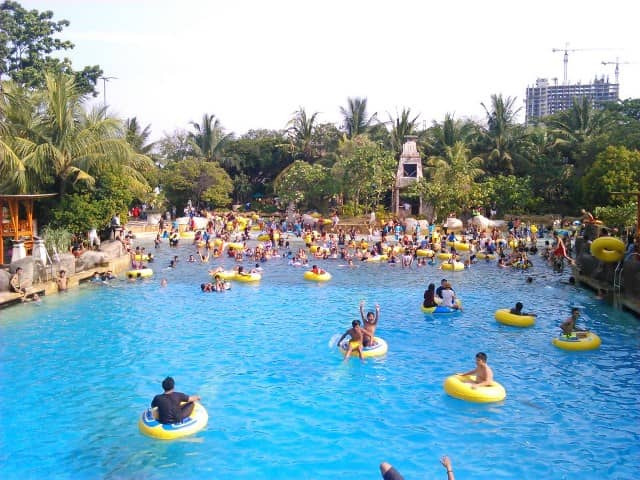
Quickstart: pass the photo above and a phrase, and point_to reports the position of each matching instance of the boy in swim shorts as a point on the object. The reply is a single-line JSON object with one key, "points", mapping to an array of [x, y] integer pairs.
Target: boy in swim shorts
{"points": [[357, 335]]}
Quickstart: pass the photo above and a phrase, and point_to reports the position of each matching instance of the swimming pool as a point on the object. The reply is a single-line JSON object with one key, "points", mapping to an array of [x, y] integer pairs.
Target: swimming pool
{"points": [[79, 369]]}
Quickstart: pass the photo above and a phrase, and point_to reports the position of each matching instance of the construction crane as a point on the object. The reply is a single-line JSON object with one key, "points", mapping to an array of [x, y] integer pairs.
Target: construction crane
{"points": [[566, 51], [617, 63]]}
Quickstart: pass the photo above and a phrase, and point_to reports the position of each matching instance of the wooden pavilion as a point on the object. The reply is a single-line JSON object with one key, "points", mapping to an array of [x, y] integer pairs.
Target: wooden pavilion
{"points": [[16, 218]]}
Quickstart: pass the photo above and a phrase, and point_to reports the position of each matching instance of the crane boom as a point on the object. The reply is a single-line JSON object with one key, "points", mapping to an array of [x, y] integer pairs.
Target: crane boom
{"points": [[566, 51], [617, 63]]}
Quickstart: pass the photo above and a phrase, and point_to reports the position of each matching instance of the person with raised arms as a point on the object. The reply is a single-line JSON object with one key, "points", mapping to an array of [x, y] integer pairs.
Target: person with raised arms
{"points": [[370, 323]]}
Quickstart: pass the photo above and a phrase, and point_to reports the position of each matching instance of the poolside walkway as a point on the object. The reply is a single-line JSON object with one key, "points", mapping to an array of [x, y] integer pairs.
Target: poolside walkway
{"points": [[51, 287]]}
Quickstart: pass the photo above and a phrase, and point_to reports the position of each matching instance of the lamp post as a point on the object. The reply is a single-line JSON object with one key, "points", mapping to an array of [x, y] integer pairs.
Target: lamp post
{"points": [[104, 88]]}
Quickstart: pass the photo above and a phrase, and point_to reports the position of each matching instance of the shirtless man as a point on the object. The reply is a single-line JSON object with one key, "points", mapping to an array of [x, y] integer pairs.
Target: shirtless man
{"points": [[16, 283], [569, 325], [483, 373], [355, 343], [62, 281], [370, 323]]}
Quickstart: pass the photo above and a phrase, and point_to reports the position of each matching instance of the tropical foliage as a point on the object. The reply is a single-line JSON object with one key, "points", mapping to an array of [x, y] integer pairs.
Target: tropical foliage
{"points": [[51, 142], [202, 182], [27, 40]]}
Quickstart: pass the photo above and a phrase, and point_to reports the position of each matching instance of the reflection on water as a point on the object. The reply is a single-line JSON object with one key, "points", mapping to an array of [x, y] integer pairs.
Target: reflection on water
{"points": [[282, 404]]}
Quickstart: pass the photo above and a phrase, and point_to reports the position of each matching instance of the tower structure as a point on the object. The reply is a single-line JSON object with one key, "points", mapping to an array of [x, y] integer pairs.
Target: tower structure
{"points": [[545, 99], [409, 172]]}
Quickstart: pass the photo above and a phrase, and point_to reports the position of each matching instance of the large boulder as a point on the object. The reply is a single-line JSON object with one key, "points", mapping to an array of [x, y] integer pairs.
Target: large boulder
{"points": [[484, 223], [4, 280], [453, 224], [26, 264], [67, 262], [89, 260], [112, 249]]}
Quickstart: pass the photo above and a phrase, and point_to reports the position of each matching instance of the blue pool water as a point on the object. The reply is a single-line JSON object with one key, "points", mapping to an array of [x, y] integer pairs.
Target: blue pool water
{"points": [[79, 368]]}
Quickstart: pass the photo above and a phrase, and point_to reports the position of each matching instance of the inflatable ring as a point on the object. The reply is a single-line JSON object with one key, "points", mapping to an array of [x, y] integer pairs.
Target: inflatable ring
{"points": [[461, 246], [483, 256], [425, 252], [235, 246], [190, 235], [317, 277], [378, 258], [150, 426], [574, 343], [144, 258], [379, 349], [225, 274], [505, 317], [264, 237], [608, 249], [443, 256], [459, 386], [441, 308], [140, 273], [457, 266], [247, 277]]}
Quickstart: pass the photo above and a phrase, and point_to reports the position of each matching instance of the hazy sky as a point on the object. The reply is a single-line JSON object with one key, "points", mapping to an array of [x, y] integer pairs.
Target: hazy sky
{"points": [[252, 63]]}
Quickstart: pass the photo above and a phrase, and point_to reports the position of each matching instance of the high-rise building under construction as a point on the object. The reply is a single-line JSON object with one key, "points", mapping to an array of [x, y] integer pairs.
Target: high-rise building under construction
{"points": [[545, 99]]}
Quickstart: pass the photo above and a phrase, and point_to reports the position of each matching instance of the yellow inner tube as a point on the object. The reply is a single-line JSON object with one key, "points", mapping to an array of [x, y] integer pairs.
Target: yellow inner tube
{"points": [[225, 275], [457, 266], [247, 277], [378, 258], [235, 245], [482, 256], [574, 343], [425, 252], [317, 277], [608, 249], [264, 237], [380, 348], [505, 317], [461, 246], [443, 256], [149, 425], [187, 234], [459, 386], [140, 273]]}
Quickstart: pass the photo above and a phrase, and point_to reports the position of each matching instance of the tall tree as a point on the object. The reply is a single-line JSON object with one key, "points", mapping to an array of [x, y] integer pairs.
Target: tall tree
{"points": [[68, 145], [502, 136], [401, 126], [208, 138], [27, 40], [451, 184], [442, 135], [582, 132], [356, 120], [137, 136], [301, 131], [198, 180], [364, 173]]}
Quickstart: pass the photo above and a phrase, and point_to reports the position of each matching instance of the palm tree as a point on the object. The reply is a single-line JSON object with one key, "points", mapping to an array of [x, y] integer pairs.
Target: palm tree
{"points": [[402, 126], [356, 118], [137, 136], [578, 128], [452, 178], [502, 135], [208, 138], [447, 133], [301, 132], [67, 145]]}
